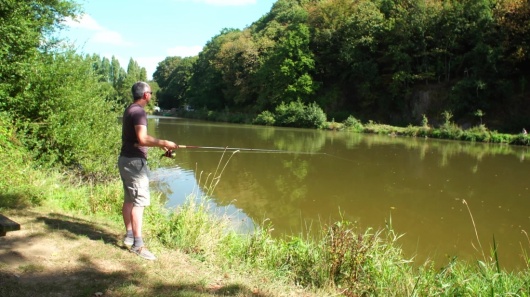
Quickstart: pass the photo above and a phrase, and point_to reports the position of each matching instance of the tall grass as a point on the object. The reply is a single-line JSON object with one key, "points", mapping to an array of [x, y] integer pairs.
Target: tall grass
{"points": [[447, 130], [194, 227]]}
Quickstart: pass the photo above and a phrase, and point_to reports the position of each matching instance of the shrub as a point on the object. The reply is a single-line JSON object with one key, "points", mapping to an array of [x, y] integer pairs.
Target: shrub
{"points": [[334, 125], [477, 133], [265, 118], [353, 124], [449, 129], [413, 131], [63, 117], [286, 115], [314, 116], [21, 186], [297, 114]]}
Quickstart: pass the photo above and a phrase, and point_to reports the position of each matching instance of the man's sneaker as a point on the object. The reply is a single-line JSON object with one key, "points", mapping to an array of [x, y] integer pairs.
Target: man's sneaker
{"points": [[143, 252], [128, 241]]}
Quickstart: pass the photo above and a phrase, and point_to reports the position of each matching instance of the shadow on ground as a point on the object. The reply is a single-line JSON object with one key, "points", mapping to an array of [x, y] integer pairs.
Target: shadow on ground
{"points": [[76, 227], [25, 274]]}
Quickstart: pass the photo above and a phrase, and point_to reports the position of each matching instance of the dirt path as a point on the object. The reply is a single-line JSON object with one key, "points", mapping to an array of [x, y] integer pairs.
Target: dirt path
{"points": [[64, 255]]}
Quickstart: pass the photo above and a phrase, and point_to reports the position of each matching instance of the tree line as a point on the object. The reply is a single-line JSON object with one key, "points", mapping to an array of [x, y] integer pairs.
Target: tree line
{"points": [[391, 61], [58, 106]]}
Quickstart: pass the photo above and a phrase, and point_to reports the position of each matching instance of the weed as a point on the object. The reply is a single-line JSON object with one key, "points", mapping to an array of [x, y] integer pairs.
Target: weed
{"points": [[31, 268]]}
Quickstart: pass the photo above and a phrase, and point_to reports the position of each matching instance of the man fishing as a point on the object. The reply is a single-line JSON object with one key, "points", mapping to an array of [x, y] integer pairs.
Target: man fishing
{"points": [[132, 164]]}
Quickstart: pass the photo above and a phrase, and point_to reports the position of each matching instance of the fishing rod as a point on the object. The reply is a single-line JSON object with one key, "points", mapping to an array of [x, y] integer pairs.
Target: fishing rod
{"points": [[171, 153]]}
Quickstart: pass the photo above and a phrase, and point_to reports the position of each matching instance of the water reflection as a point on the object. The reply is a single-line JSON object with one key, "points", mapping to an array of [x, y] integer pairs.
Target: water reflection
{"points": [[179, 184], [417, 183]]}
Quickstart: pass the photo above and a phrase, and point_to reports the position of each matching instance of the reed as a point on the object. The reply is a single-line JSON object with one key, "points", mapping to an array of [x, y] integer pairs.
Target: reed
{"points": [[447, 130]]}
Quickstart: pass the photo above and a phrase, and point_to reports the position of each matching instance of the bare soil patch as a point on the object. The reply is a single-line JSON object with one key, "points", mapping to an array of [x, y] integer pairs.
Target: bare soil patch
{"points": [[57, 254]]}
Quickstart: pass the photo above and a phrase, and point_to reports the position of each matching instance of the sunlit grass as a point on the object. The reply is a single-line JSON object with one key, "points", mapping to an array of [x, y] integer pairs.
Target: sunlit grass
{"points": [[447, 130]]}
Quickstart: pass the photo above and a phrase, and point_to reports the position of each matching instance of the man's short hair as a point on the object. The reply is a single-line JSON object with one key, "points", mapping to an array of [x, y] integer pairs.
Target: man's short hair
{"points": [[138, 89]]}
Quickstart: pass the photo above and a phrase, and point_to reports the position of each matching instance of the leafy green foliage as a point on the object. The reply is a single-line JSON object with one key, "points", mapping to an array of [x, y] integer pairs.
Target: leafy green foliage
{"points": [[297, 114], [23, 27], [63, 106], [371, 58], [286, 74], [265, 118], [175, 85], [22, 184], [354, 124], [55, 100], [64, 117], [206, 85]]}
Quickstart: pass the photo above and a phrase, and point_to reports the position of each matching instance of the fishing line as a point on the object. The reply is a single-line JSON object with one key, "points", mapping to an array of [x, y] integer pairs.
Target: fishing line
{"points": [[209, 149], [261, 152], [340, 158], [171, 153]]}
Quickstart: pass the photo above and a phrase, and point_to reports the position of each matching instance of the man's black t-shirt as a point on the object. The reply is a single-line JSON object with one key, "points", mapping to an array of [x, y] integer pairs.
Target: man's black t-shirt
{"points": [[132, 116]]}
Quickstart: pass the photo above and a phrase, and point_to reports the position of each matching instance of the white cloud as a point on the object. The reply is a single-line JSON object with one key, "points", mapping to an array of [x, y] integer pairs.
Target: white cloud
{"points": [[102, 35], [184, 51], [149, 63], [109, 37], [84, 22]]}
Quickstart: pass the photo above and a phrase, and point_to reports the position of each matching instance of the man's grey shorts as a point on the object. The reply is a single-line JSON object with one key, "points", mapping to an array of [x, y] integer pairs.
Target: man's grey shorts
{"points": [[134, 175]]}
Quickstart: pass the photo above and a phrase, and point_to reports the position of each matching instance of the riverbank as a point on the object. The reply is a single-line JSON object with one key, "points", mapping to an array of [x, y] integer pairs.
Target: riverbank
{"points": [[61, 253], [448, 129]]}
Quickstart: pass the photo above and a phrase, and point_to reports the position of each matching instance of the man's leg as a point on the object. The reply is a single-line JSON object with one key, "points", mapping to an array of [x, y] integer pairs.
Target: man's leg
{"points": [[138, 246], [126, 211], [137, 214], [124, 166], [134, 173], [127, 220]]}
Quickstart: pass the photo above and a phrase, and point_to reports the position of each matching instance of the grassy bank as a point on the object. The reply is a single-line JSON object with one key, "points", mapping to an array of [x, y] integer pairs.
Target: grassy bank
{"points": [[448, 129], [339, 260]]}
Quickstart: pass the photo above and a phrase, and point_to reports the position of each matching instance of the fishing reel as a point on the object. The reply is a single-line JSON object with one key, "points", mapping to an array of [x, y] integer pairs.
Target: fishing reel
{"points": [[169, 154]]}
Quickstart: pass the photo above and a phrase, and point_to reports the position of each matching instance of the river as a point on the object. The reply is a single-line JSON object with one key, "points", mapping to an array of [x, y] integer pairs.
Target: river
{"points": [[447, 198]]}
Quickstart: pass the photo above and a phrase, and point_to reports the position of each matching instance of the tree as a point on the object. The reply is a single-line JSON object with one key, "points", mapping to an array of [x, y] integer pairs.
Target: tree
{"points": [[345, 41], [286, 75], [164, 69], [238, 61], [26, 28], [206, 83], [71, 117], [125, 80], [116, 72], [174, 93], [55, 98]]}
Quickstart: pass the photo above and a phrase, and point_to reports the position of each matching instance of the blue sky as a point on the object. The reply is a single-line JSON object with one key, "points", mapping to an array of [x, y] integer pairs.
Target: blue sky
{"points": [[151, 30]]}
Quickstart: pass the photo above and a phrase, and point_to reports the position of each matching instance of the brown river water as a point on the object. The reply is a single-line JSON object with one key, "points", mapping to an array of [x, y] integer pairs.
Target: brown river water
{"points": [[298, 178]]}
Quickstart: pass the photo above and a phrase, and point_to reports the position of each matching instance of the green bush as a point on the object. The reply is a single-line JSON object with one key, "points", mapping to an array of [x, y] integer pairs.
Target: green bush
{"points": [[22, 184], [477, 133], [297, 114], [64, 119], [265, 118], [353, 124], [314, 116]]}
